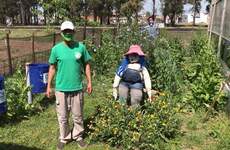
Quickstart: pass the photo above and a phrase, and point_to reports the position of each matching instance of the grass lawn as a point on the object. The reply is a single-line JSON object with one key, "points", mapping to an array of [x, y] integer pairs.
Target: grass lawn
{"points": [[40, 131], [184, 35], [198, 135], [23, 33]]}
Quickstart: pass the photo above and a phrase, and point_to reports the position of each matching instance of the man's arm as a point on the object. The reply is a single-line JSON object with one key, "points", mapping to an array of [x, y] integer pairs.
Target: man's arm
{"points": [[88, 77], [52, 71]]}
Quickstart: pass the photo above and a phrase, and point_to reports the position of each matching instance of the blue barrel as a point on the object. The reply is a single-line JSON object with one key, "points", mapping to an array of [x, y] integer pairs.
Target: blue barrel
{"points": [[3, 106], [38, 74]]}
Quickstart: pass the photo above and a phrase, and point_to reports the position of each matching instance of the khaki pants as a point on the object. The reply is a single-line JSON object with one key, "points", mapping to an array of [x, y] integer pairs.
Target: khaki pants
{"points": [[66, 102]]}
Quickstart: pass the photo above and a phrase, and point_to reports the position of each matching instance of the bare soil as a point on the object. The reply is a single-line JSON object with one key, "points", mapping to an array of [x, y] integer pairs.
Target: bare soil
{"points": [[21, 48]]}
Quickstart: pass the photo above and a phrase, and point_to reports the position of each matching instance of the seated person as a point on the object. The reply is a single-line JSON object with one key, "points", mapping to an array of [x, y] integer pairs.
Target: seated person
{"points": [[132, 77]]}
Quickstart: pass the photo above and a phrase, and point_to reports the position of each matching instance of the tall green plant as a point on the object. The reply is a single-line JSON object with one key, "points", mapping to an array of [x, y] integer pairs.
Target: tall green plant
{"points": [[108, 55], [105, 57], [165, 61], [202, 71]]}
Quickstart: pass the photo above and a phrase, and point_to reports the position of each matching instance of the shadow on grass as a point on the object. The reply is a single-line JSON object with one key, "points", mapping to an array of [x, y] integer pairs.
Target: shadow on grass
{"points": [[89, 121], [12, 146], [43, 104], [46, 102]]}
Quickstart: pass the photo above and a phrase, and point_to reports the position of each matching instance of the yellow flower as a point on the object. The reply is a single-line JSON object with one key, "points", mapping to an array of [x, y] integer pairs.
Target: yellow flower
{"points": [[115, 130], [136, 136]]}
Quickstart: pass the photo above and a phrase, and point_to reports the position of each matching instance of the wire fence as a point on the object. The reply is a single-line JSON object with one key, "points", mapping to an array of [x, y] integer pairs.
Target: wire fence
{"points": [[36, 49], [219, 29]]}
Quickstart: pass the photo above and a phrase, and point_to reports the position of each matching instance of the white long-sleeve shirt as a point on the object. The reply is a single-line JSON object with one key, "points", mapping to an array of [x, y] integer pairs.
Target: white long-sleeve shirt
{"points": [[144, 74]]}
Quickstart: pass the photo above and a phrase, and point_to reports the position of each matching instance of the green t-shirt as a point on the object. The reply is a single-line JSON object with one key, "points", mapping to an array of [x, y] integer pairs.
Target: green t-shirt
{"points": [[70, 62]]}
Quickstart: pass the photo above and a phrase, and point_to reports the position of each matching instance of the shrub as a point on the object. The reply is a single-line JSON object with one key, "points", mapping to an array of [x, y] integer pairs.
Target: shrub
{"points": [[135, 127], [165, 61], [108, 55], [16, 96], [202, 72]]}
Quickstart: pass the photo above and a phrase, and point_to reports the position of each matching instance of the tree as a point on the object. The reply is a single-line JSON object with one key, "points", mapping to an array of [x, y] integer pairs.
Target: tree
{"points": [[172, 9], [208, 6], [131, 7], [75, 7], [117, 5], [154, 9], [57, 10], [8, 8], [196, 9], [102, 9], [95, 5], [20, 11]]}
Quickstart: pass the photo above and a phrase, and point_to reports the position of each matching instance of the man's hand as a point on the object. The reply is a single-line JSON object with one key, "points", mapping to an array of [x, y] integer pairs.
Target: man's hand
{"points": [[52, 70], [48, 92], [89, 88]]}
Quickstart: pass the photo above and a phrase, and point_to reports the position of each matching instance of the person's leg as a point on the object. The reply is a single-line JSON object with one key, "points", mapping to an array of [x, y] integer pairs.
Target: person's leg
{"points": [[77, 103], [123, 92], [63, 115], [136, 96]]}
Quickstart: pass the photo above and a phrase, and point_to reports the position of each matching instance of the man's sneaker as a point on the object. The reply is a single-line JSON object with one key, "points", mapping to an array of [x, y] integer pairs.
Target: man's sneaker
{"points": [[60, 145], [82, 144]]}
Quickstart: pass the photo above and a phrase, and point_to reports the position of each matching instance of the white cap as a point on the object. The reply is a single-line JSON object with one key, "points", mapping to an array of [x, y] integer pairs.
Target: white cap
{"points": [[67, 25]]}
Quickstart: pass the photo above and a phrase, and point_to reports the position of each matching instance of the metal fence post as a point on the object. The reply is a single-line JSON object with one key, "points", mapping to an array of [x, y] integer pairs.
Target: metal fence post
{"points": [[221, 28], [9, 54], [114, 33], [54, 38], [85, 19], [210, 27], [93, 35], [101, 36], [84, 31]]}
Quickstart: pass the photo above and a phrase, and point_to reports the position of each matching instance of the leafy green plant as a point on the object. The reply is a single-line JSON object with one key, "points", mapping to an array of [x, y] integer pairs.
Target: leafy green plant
{"points": [[135, 127], [108, 55], [190, 77], [16, 96], [165, 61], [201, 69]]}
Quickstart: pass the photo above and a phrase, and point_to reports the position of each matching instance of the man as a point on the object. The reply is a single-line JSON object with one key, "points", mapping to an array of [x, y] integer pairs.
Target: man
{"points": [[67, 60], [151, 29]]}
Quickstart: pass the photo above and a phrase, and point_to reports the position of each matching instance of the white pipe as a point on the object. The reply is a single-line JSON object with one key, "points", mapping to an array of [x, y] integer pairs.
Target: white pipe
{"points": [[29, 94]]}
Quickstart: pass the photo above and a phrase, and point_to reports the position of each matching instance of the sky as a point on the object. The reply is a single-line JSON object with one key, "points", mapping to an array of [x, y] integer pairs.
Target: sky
{"points": [[148, 4]]}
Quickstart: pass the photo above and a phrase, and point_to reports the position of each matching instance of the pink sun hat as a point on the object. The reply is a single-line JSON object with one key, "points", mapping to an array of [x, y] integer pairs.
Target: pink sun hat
{"points": [[135, 49]]}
